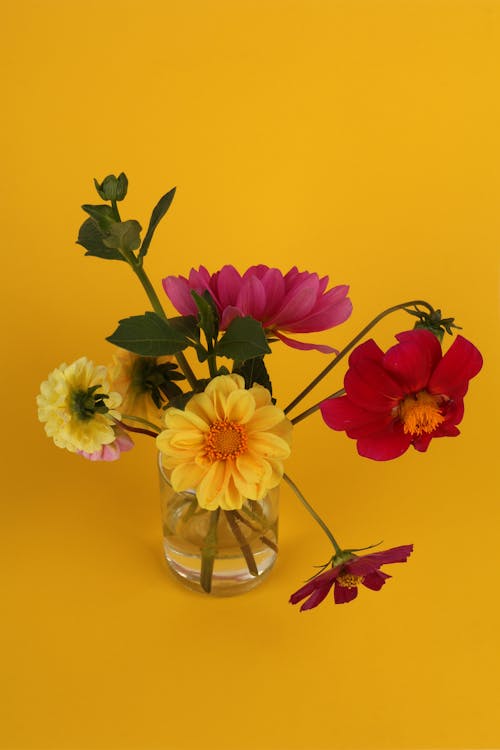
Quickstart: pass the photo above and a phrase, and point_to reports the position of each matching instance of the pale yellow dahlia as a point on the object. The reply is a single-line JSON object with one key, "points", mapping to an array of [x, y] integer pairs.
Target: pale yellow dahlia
{"points": [[77, 408], [228, 444]]}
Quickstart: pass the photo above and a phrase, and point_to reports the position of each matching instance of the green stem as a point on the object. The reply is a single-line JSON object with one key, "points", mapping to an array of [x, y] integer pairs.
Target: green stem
{"points": [[351, 344], [313, 513], [140, 420], [212, 365], [242, 543], [314, 408], [208, 552], [157, 307]]}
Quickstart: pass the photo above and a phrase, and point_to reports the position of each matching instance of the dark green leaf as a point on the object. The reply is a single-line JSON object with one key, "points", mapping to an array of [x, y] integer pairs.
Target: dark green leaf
{"points": [[124, 235], [157, 215], [102, 215], [187, 325], [92, 239], [207, 315], [255, 371], [148, 335], [244, 339]]}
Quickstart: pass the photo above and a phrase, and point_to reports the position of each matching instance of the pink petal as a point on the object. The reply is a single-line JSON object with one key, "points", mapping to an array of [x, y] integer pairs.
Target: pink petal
{"points": [[323, 317], [412, 361], [306, 347], [252, 298], [229, 314], [179, 293], [274, 288], [461, 362], [226, 284], [297, 303]]}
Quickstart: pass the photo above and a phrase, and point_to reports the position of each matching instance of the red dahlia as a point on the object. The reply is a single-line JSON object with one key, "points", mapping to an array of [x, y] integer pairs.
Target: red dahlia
{"points": [[404, 397], [348, 575]]}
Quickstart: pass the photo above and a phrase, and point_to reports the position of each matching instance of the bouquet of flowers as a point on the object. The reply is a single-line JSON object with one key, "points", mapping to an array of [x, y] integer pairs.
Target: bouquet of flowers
{"points": [[222, 435]]}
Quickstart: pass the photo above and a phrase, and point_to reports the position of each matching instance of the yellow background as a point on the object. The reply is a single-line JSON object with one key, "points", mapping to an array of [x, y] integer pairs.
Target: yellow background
{"points": [[354, 138]]}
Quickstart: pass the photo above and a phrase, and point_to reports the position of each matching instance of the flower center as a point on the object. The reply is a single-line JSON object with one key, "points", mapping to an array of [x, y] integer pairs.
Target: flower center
{"points": [[225, 439], [84, 404], [420, 413], [349, 581]]}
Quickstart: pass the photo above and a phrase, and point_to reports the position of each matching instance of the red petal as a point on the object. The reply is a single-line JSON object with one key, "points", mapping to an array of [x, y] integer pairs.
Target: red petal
{"points": [[368, 563], [375, 580], [461, 362], [342, 594], [342, 414], [366, 381], [413, 360], [324, 579], [316, 598], [385, 445]]}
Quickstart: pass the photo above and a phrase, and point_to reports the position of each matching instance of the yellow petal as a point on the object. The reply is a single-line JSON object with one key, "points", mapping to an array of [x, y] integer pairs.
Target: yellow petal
{"points": [[268, 445], [265, 418], [175, 419], [186, 476], [240, 407], [201, 405]]}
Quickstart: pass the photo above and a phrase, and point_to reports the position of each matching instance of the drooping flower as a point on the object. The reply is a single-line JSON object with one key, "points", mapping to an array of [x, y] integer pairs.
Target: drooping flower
{"points": [[77, 407], [348, 574], [296, 302], [144, 383], [112, 451], [404, 397], [228, 444]]}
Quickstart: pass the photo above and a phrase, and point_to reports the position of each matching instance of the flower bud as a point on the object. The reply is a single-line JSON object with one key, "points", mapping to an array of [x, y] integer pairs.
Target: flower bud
{"points": [[112, 188]]}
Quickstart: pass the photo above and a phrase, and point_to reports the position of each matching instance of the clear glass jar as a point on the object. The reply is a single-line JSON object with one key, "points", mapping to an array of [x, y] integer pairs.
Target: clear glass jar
{"points": [[218, 552]]}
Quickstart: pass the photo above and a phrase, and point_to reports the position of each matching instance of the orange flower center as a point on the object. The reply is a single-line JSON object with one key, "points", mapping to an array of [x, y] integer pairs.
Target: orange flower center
{"points": [[349, 581], [420, 413], [225, 440]]}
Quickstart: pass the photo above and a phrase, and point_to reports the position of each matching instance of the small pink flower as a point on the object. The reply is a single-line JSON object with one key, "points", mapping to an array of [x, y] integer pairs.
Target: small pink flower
{"points": [[296, 302], [348, 575], [112, 451]]}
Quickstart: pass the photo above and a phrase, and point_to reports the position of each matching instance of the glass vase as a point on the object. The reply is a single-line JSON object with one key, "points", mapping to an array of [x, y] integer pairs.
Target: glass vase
{"points": [[218, 552]]}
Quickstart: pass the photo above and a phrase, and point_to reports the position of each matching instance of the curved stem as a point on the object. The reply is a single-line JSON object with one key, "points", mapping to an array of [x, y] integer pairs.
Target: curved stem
{"points": [[313, 513], [314, 408], [145, 422], [157, 307], [350, 345], [142, 430]]}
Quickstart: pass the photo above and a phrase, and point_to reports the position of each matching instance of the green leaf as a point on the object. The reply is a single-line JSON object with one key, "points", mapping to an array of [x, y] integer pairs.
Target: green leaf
{"points": [[148, 335], [157, 215], [92, 239], [102, 215], [124, 235], [244, 339], [187, 325], [207, 315], [255, 371]]}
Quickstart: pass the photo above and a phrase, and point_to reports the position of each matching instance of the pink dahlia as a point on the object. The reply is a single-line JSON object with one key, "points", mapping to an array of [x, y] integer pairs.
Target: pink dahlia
{"points": [[348, 575], [296, 302], [404, 397]]}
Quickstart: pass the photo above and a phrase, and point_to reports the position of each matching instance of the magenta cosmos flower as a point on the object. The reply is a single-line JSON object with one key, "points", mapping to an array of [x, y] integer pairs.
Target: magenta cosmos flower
{"points": [[348, 575], [404, 397], [296, 302]]}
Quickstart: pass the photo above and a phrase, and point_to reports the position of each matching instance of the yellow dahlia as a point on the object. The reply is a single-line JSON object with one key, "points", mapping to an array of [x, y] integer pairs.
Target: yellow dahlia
{"points": [[77, 408], [228, 444], [144, 383]]}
